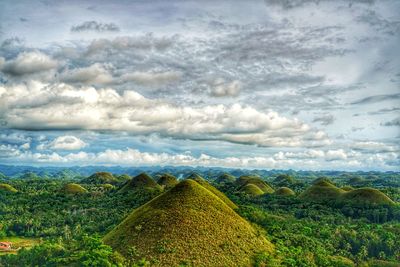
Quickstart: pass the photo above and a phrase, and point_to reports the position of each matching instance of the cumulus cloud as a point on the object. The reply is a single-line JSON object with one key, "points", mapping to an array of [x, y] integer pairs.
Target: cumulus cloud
{"points": [[95, 26], [59, 106], [93, 74], [28, 63], [65, 142], [151, 78], [220, 88], [338, 154]]}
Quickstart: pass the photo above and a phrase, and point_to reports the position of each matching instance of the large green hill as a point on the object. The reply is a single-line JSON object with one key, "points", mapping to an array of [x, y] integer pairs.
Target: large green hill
{"points": [[100, 178], [141, 181], [188, 225], [244, 180]]}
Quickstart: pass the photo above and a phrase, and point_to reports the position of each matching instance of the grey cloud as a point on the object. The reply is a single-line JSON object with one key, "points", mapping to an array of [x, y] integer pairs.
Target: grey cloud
{"points": [[376, 99], [379, 23], [29, 63], [290, 4], [394, 122], [95, 26], [325, 119]]}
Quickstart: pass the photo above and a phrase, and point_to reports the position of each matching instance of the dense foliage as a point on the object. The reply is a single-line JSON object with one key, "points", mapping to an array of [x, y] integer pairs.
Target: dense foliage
{"points": [[304, 232]]}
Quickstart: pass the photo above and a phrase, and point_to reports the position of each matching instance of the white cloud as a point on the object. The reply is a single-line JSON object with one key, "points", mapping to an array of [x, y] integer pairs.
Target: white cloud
{"points": [[29, 63], [151, 78], [65, 142], [60, 106], [94, 74], [338, 154]]}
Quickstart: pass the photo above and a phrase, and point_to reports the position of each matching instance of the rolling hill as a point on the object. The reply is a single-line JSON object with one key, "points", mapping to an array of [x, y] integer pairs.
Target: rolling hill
{"points": [[141, 181]]}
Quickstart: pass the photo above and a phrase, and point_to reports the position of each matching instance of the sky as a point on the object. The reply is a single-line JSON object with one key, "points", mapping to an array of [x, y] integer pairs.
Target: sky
{"points": [[273, 84]]}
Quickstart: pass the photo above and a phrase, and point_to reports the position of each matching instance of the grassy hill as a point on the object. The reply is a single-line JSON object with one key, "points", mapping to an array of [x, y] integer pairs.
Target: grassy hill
{"points": [[251, 190], [225, 178], [167, 180], [100, 178], [285, 191], [7, 188], [321, 190], [244, 180], [366, 196], [188, 225], [73, 188], [141, 181]]}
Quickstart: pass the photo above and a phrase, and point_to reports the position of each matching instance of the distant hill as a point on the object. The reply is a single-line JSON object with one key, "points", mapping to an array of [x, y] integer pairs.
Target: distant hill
{"points": [[141, 181], [321, 190], [225, 178], [347, 188], [100, 178], [284, 191], [284, 180], [7, 188], [167, 180], [366, 196], [73, 188], [244, 180], [251, 190], [188, 225]]}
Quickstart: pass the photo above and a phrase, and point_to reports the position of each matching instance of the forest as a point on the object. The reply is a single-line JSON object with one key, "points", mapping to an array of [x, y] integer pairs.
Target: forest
{"points": [[345, 219]]}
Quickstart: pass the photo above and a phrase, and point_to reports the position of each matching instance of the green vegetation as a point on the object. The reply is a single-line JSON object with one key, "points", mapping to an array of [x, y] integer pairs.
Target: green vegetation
{"points": [[188, 225], [73, 188], [196, 223], [100, 178], [225, 178], [284, 180], [7, 188], [284, 191], [139, 182]]}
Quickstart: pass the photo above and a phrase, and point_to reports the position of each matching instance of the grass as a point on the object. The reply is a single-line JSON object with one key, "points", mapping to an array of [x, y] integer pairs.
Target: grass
{"points": [[367, 196], [19, 242], [8, 188], [73, 188], [285, 191], [251, 190], [321, 191], [188, 224], [225, 178]]}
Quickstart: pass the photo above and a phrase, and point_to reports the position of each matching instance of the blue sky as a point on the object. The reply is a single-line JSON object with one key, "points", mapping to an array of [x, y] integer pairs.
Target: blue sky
{"points": [[298, 84]]}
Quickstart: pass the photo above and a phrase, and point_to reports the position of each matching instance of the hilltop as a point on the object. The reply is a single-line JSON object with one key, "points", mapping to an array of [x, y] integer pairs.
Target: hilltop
{"points": [[285, 191], [73, 188], [215, 191], [7, 188], [321, 190], [188, 225], [251, 190], [140, 181], [284, 180]]}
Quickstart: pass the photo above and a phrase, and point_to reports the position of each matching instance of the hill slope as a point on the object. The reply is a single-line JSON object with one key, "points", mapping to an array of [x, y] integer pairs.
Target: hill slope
{"points": [[251, 190], [7, 188], [321, 191], [285, 191], [244, 180], [73, 188], [188, 225]]}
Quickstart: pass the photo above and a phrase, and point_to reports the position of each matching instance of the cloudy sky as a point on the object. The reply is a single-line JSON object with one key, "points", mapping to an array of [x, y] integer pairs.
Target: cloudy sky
{"points": [[302, 84]]}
